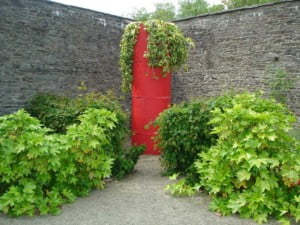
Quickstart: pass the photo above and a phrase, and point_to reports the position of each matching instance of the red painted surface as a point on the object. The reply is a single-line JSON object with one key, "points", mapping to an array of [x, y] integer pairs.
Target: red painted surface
{"points": [[149, 96]]}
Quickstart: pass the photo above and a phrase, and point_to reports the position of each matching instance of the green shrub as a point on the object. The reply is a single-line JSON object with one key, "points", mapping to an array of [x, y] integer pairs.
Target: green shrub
{"points": [[255, 165], [89, 144], [124, 163], [54, 111], [59, 112], [39, 172], [183, 132], [124, 158]]}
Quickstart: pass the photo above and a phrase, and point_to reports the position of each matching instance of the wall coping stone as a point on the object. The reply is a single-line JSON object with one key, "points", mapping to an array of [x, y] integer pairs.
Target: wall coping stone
{"points": [[253, 7], [77, 7]]}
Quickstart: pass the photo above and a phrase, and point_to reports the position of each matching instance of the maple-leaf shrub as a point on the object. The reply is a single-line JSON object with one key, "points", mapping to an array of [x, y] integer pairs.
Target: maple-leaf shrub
{"points": [[40, 171], [255, 165], [58, 112]]}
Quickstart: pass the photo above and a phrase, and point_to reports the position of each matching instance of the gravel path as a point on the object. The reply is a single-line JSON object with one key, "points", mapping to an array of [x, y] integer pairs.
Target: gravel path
{"points": [[138, 199]]}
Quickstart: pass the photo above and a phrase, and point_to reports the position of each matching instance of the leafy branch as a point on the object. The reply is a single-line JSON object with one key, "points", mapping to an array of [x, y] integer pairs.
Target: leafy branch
{"points": [[167, 48]]}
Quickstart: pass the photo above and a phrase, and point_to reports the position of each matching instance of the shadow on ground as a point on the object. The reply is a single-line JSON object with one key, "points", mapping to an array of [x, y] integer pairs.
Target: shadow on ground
{"points": [[138, 199]]}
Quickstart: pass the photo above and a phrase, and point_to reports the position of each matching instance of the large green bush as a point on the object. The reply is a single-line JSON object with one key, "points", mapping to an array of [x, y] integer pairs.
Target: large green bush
{"points": [[253, 168], [255, 165], [183, 132], [39, 172], [58, 112]]}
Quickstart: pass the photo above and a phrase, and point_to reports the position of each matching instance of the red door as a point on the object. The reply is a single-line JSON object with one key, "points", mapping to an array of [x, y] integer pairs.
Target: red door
{"points": [[150, 96]]}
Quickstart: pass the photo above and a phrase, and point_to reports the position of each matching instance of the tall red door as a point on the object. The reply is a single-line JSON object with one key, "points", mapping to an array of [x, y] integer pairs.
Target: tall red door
{"points": [[150, 95]]}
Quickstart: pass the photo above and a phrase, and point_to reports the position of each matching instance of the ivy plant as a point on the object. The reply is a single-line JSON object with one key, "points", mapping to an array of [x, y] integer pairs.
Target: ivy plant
{"points": [[167, 48]]}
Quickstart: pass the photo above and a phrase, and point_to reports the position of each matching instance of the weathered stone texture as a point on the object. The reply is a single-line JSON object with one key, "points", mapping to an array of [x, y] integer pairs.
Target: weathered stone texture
{"points": [[49, 47], [236, 49], [45, 46]]}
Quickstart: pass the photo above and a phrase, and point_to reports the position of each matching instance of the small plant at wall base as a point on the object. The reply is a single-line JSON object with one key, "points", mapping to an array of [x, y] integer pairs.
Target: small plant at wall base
{"points": [[166, 48], [280, 84]]}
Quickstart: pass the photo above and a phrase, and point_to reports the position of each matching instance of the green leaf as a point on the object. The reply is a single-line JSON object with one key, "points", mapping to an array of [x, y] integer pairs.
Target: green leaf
{"points": [[174, 176], [257, 162], [272, 137], [29, 188], [261, 218], [297, 198], [243, 175], [265, 184], [291, 174], [236, 204], [252, 144], [274, 162]]}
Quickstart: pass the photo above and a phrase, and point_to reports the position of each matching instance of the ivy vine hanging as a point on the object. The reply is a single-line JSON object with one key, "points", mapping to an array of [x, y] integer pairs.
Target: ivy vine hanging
{"points": [[166, 48]]}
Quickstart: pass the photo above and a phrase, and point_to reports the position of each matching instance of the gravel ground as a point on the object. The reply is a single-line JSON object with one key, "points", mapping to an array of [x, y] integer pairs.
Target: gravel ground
{"points": [[138, 199]]}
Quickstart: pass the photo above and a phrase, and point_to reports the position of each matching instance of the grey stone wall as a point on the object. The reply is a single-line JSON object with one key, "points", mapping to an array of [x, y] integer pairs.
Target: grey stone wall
{"points": [[49, 47], [45, 46], [236, 49]]}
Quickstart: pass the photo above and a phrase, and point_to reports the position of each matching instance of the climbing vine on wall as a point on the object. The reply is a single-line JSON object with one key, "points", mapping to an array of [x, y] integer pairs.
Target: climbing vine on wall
{"points": [[167, 48]]}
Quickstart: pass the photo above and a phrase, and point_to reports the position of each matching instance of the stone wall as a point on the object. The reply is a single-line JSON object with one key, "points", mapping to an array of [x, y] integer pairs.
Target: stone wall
{"points": [[49, 47], [46, 46], [236, 49]]}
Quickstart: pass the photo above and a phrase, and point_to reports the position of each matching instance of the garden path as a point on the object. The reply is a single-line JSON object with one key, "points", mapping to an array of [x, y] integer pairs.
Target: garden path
{"points": [[138, 199]]}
